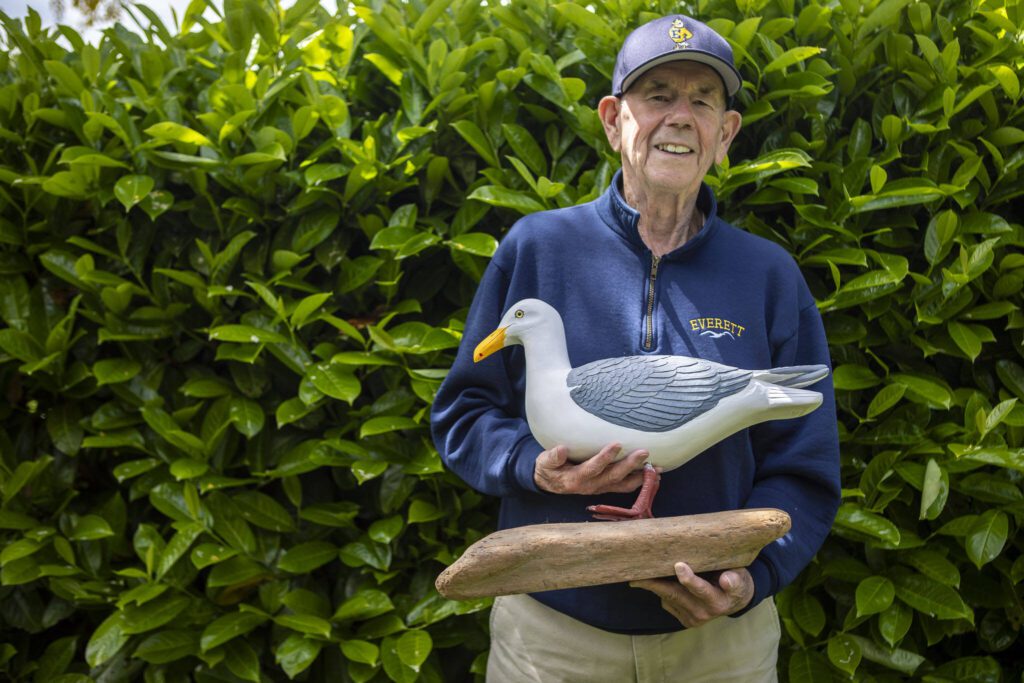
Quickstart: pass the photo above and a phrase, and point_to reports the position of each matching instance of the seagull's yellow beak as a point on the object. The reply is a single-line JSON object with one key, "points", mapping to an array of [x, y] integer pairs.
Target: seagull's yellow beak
{"points": [[494, 342]]}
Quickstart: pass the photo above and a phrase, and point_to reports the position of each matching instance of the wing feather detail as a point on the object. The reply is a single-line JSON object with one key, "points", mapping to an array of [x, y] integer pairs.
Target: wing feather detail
{"points": [[653, 393]]}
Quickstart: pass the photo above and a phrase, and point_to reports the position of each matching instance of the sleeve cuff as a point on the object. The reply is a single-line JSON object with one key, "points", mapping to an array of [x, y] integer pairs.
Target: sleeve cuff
{"points": [[764, 584], [524, 461]]}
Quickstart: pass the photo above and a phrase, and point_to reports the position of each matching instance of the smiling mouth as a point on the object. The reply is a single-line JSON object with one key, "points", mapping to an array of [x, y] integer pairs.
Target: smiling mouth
{"points": [[674, 149]]}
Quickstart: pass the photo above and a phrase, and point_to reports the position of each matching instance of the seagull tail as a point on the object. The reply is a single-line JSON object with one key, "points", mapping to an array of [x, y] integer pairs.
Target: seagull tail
{"points": [[789, 402], [794, 377]]}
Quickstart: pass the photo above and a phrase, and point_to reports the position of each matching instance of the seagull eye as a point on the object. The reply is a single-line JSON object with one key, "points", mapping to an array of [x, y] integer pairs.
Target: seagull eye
{"points": [[520, 313]]}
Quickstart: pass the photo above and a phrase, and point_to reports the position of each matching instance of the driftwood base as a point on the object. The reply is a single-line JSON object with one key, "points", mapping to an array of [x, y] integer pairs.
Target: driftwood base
{"points": [[551, 556]]}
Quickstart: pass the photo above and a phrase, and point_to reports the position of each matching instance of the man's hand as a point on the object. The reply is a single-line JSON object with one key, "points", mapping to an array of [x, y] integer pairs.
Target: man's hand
{"points": [[600, 474], [694, 601]]}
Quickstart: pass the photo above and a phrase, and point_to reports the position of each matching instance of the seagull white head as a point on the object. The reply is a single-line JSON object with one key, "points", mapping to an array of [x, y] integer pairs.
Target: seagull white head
{"points": [[525, 320]]}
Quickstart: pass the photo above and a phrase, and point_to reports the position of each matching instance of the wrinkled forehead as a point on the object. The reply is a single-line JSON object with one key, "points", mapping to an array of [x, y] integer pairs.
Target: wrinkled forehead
{"points": [[681, 74]]}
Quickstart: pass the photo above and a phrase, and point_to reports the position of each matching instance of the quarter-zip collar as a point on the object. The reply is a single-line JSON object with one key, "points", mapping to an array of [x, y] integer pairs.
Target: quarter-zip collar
{"points": [[624, 219]]}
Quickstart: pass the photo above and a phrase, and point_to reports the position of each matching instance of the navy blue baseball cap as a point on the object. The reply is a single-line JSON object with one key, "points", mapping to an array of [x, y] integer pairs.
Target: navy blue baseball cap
{"points": [[674, 38]]}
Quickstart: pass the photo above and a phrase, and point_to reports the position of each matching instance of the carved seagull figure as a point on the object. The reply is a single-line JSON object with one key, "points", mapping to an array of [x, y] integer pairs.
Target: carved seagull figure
{"points": [[675, 407]]}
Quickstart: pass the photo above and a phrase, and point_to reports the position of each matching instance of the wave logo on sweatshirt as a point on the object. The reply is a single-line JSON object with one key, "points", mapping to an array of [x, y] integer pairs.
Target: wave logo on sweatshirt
{"points": [[717, 328]]}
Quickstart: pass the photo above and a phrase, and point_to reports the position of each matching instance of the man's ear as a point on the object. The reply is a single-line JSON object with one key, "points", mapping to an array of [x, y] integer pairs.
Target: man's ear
{"points": [[732, 120], [608, 110]]}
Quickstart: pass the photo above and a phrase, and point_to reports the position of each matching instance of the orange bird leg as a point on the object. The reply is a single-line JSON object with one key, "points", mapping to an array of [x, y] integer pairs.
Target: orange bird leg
{"points": [[641, 508]]}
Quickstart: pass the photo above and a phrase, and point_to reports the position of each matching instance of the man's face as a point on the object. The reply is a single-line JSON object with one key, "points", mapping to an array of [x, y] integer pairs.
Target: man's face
{"points": [[670, 127]]}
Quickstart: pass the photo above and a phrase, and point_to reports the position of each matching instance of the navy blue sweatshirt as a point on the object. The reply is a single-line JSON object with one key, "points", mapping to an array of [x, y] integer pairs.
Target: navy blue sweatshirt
{"points": [[725, 295]]}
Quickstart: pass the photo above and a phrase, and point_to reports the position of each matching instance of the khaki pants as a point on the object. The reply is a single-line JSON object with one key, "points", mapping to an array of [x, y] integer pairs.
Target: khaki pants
{"points": [[532, 643]]}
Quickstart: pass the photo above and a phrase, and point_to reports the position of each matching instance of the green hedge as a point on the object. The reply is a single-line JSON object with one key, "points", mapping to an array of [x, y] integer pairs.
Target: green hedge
{"points": [[234, 264]]}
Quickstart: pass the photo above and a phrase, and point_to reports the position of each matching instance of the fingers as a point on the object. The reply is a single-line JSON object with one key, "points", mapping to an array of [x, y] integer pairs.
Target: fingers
{"points": [[600, 474], [547, 471], [738, 584], [676, 600], [605, 463], [697, 586], [607, 475], [695, 601], [553, 458], [663, 588]]}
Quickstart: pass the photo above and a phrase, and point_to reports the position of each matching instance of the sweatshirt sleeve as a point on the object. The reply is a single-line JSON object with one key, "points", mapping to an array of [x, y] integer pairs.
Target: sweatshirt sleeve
{"points": [[797, 467], [478, 417]]}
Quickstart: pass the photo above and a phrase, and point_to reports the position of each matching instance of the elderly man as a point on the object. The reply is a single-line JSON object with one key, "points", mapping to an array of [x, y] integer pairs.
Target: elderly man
{"points": [[649, 268]]}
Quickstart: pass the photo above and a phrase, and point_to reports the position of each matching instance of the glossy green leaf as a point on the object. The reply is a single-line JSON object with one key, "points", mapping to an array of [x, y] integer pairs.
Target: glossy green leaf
{"points": [[66, 77], [874, 594], [844, 653], [523, 145], [264, 511], [241, 660], [108, 638], [171, 131], [413, 648], [361, 651], [384, 424], [931, 597], [808, 612], [235, 571], [476, 243], [395, 669], [168, 646], [933, 565], [387, 529], [247, 416], [977, 669], [808, 666], [365, 604], [926, 390], [504, 197], [934, 490], [965, 338], [305, 623], [132, 189], [987, 537], [307, 307], [296, 653], [895, 622], [245, 334], [855, 518], [154, 614], [472, 134], [211, 553], [898, 659], [115, 370], [854, 377], [90, 528], [228, 627], [885, 399], [335, 381], [306, 557], [791, 57]]}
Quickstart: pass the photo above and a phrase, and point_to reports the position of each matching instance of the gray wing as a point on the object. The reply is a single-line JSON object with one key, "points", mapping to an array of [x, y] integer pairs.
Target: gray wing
{"points": [[653, 393]]}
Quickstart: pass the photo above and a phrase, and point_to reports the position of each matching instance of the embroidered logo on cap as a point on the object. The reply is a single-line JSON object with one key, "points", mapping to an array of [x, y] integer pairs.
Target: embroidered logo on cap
{"points": [[679, 34]]}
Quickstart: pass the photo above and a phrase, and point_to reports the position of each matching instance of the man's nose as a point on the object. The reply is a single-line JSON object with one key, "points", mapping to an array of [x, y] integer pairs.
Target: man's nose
{"points": [[681, 115]]}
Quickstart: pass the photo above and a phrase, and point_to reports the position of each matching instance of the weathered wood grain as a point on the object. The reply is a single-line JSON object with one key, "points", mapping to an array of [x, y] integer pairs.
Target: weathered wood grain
{"points": [[550, 556]]}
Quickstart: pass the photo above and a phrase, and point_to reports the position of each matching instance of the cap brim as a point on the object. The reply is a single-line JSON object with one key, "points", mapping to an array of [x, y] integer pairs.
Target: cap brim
{"points": [[730, 77]]}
